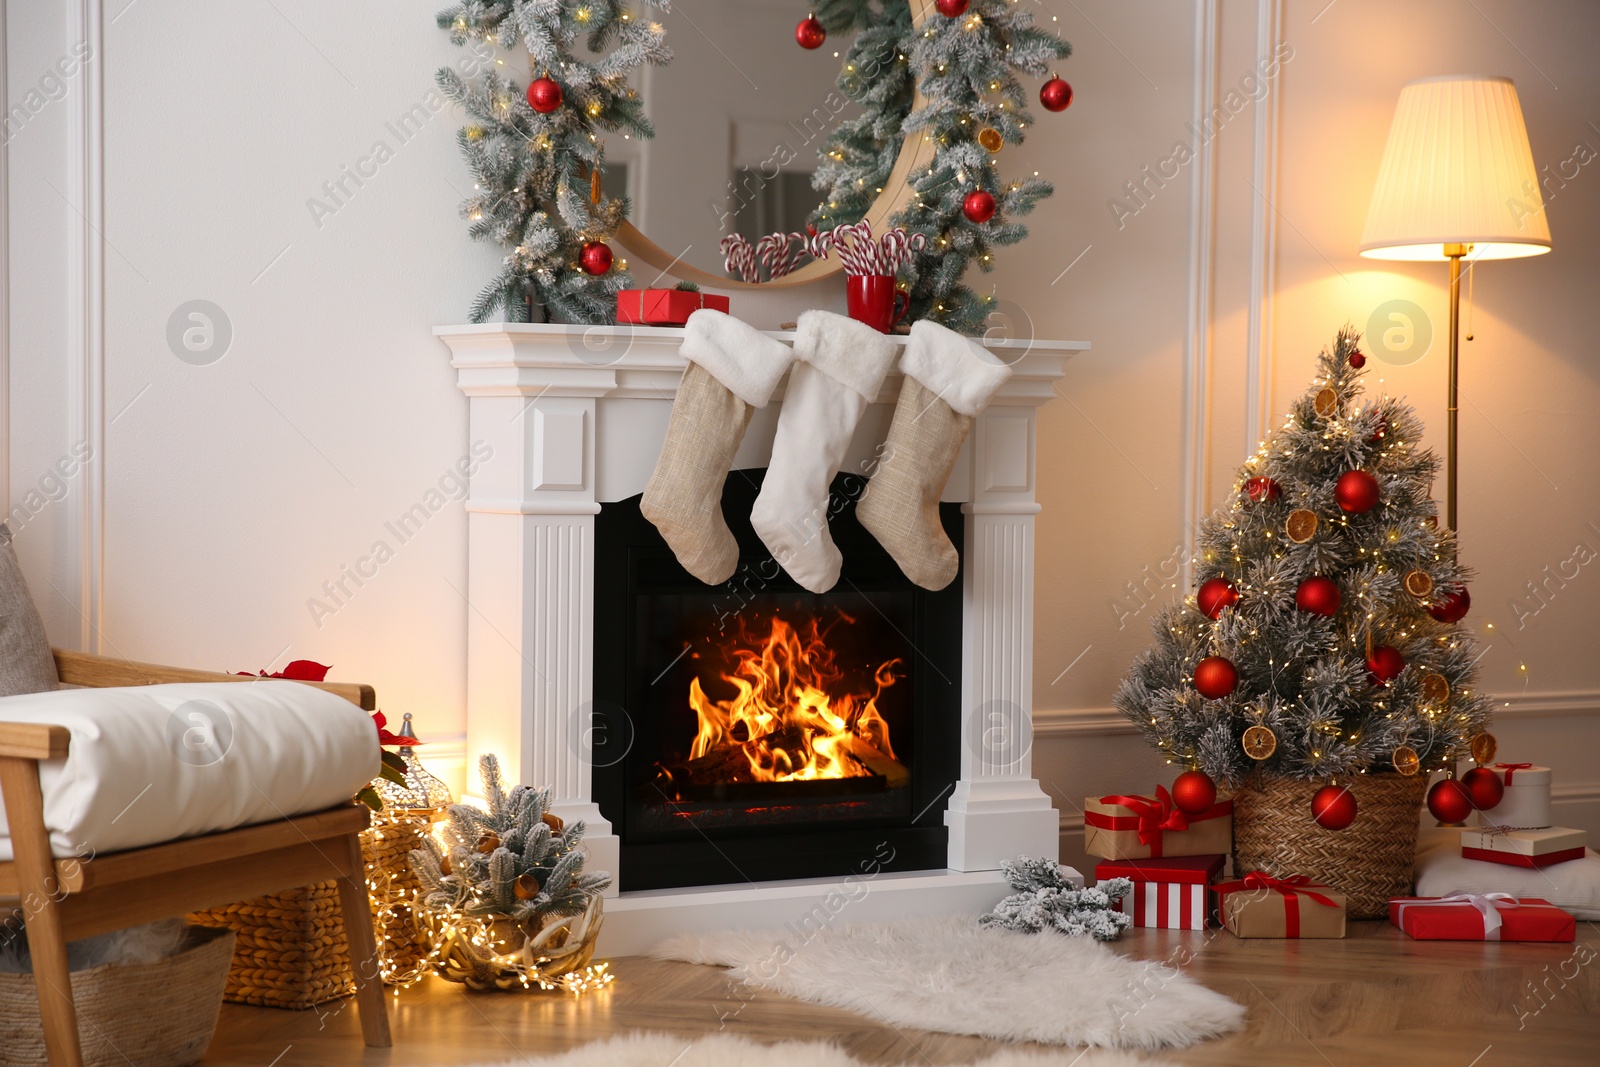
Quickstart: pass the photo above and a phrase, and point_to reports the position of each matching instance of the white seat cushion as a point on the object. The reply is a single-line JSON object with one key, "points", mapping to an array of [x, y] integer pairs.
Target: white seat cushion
{"points": [[153, 763]]}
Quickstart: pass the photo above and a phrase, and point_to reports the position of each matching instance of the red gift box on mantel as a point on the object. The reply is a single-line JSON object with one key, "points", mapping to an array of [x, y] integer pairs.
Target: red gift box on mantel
{"points": [[1259, 905], [1524, 848], [1167, 893], [1482, 917], [1121, 827], [664, 307]]}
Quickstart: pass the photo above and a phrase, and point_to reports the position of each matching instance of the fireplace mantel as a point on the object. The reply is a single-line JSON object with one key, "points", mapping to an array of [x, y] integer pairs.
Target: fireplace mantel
{"points": [[575, 417]]}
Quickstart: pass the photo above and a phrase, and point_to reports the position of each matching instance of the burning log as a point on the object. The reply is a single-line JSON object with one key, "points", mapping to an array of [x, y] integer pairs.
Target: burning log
{"points": [[731, 765]]}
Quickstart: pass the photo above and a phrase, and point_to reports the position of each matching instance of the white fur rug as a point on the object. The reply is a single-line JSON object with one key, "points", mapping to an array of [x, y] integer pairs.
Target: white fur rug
{"points": [[725, 1050], [946, 974]]}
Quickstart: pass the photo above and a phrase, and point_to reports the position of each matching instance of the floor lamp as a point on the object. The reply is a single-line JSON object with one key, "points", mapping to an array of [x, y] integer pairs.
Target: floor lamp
{"points": [[1457, 181]]}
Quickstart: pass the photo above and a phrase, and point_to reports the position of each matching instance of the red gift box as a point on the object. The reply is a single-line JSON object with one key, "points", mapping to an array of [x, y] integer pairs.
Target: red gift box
{"points": [[1167, 893], [1482, 917], [1153, 827], [664, 307]]}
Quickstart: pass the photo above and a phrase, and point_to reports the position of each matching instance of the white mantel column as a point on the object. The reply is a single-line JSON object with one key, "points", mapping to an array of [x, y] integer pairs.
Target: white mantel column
{"points": [[998, 811], [530, 579]]}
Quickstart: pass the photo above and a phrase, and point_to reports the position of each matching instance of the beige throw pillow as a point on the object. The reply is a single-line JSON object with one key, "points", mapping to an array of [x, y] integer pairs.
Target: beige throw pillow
{"points": [[26, 665]]}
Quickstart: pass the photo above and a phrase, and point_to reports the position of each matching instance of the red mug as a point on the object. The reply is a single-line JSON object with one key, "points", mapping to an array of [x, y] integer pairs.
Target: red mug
{"points": [[873, 299]]}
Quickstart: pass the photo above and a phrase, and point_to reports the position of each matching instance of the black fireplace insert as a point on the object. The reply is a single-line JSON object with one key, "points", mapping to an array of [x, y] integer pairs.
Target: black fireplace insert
{"points": [[755, 731]]}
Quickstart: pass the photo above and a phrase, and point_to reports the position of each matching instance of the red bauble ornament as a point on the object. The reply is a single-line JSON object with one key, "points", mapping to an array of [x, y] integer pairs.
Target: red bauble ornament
{"points": [[1356, 492], [1260, 489], [1055, 94], [1385, 664], [1193, 792], [1318, 595], [1448, 801], [1452, 607], [595, 258], [1215, 594], [1334, 807], [951, 9], [1357, 360], [1215, 677], [978, 206], [1484, 788], [810, 32], [544, 95]]}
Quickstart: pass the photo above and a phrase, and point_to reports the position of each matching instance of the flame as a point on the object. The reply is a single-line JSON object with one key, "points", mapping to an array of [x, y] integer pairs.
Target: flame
{"points": [[789, 717]]}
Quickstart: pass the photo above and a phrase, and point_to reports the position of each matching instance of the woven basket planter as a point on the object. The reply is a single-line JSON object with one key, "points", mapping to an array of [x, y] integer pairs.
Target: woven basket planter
{"points": [[291, 950], [506, 956], [1369, 861], [158, 1014]]}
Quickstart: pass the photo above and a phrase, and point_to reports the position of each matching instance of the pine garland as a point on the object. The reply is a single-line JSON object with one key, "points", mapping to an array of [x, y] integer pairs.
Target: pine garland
{"points": [[966, 68], [1304, 676], [532, 172], [1046, 900]]}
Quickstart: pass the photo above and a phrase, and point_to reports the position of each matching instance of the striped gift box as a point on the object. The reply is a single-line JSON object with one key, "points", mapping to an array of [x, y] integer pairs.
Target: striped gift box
{"points": [[1168, 893]]}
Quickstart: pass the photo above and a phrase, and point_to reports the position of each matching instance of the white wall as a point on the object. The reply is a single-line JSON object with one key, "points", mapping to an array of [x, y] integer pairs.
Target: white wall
{"points": [[233, 491]]}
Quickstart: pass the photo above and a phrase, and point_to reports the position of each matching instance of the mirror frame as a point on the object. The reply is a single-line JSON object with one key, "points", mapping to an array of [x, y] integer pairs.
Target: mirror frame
{"points": [[914, 151]]}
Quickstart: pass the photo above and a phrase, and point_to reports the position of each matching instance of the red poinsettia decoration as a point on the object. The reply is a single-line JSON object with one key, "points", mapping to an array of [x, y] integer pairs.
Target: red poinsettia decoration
{"points": [[299, 670], [386, 737]]}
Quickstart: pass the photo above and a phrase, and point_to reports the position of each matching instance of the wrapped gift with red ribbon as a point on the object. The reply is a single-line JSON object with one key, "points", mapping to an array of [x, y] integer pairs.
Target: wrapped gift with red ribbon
{"points": [[1122, 827], [1259, 905], [1482, 917], [1524, 848], [1167, 893], [664, 307]]}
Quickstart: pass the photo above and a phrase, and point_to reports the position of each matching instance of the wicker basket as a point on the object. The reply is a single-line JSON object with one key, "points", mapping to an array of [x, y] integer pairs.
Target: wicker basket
{"points": [[291, 950], [158, 1014], [1369, 861], [503, 955]]}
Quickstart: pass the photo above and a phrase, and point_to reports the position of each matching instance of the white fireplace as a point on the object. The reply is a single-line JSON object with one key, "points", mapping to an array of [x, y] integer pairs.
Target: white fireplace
{"points": [[575, 417]]}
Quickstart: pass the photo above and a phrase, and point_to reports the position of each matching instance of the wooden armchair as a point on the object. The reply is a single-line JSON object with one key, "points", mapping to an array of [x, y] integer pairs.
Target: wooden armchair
{"points": [[67, 899]]}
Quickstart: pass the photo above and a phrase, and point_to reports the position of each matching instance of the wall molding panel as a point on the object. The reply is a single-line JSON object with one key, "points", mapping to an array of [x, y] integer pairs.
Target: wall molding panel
{"points": [[86, 285]]}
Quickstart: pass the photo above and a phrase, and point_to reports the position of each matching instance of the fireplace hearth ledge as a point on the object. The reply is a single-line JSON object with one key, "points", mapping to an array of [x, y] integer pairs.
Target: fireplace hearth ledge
{"points": [[564, 418], [795, 910]]}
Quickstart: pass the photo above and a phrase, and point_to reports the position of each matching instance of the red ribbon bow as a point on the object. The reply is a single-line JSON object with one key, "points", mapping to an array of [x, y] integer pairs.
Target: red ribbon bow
{"points": [[1291, 886], [1155, 816], [1512, 768]]}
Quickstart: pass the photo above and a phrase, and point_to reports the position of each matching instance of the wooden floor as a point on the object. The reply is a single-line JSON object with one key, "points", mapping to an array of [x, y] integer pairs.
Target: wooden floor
{"points": [[1375, 998]]}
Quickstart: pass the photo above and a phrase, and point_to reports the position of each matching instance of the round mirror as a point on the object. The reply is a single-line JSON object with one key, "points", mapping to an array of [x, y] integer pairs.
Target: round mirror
{"points": [[742, 115]]}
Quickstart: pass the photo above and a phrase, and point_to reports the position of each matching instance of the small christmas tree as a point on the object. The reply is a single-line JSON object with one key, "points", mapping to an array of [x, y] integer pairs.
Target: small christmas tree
{"points": [[1045, 900], [1323, 637], [514, 861]]}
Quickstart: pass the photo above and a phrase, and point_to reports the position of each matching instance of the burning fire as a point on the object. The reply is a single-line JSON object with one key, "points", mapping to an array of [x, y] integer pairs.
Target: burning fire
{"points": [[795, 716]]}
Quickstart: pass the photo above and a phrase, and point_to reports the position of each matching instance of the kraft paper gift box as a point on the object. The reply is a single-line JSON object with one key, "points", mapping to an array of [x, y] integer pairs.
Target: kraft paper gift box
{"points": [[1526, 803], [1259, 905], [1482, 917], [1524, 848], [1123, 827], [664, 307], [1167, 893]]}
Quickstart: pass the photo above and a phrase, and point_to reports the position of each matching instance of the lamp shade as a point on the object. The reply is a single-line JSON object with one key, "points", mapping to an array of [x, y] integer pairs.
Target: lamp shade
{"points": [[1457, 170]]}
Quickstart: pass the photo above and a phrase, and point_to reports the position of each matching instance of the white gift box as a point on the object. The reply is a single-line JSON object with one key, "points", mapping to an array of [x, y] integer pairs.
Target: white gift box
{"points": [[1526, 804], [1524, 848]]}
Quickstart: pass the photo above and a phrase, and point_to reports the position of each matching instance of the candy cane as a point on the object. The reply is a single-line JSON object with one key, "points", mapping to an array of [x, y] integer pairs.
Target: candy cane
{"points": [[777, 253], [739, 257]]}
